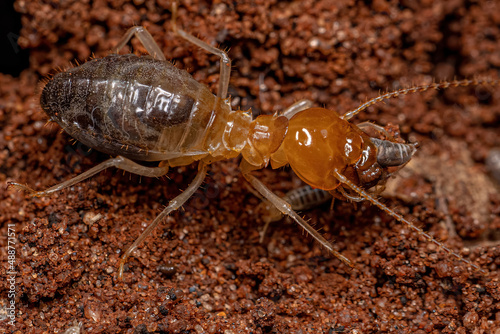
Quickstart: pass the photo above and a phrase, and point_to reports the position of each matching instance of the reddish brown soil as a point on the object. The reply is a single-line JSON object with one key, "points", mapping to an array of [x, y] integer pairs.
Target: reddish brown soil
{"points": [[204, 270]]}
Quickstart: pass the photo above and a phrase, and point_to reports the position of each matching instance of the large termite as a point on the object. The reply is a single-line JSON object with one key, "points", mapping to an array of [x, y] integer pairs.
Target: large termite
{"points": [[145, 109]]}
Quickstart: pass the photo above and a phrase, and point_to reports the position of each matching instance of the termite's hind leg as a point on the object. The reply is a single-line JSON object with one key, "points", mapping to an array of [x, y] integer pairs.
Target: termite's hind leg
{"points": [[225, 62], [173, 205], [286, 209], [118, 162], [145, 38]]}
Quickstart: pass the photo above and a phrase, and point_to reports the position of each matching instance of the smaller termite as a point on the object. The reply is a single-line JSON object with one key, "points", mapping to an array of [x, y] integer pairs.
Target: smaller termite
{"points": [[145, 109]]}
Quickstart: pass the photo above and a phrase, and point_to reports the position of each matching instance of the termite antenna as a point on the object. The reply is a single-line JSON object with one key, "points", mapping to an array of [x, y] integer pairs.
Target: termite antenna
{"points": [[417, 89], [403, 220]]}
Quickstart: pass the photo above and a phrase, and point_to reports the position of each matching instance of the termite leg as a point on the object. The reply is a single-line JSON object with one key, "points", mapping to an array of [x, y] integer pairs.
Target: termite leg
{"points": [[145, 38], [401, 219], [173, 205], [225, 61], [298, 106], [303, 198], [376, 127], [118, 162], [350, 197], [286, 209]]}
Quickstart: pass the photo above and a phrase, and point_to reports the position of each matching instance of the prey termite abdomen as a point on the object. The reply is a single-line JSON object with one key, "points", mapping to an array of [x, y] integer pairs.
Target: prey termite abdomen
{"points": [[142, 108]]}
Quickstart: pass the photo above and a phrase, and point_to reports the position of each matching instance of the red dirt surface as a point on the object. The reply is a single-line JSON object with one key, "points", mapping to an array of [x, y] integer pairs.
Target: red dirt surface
{"points": [[204, 270]]}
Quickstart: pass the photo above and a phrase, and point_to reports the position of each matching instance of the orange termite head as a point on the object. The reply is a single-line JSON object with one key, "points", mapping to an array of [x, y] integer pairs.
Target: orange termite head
{"points": [[319, 142]]}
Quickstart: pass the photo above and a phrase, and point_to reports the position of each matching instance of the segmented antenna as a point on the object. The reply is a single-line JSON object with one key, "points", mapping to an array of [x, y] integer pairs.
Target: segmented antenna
{"points": [[417, 89], [403, 220]]}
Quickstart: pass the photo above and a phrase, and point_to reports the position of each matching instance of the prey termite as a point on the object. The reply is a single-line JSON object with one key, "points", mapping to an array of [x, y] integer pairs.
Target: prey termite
{"points": [[142, 108]]}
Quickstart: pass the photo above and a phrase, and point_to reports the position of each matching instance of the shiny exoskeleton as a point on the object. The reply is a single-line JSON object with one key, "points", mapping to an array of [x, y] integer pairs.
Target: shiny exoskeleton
{"points": [[145, 109], [157, 111]]}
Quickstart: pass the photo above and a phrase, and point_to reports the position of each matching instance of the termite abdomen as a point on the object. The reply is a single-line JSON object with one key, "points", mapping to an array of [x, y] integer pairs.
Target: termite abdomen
{"points": [[141, 103], [306, 197], [393, 154]]}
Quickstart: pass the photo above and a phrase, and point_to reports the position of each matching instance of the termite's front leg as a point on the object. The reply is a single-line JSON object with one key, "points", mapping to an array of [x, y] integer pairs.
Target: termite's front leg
{"points": [[286, 209], [303, 198]]}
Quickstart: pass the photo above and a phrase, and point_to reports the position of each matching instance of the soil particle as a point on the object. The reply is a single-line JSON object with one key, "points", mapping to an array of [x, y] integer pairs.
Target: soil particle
{"points": [[204, 269]]}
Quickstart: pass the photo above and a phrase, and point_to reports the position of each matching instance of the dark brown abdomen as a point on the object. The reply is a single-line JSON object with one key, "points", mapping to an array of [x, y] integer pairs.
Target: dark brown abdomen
{"points": [[137, 107]]}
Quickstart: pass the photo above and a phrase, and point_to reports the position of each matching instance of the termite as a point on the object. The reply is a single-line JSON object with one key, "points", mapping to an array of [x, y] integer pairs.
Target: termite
{"points": [[142, 108]]}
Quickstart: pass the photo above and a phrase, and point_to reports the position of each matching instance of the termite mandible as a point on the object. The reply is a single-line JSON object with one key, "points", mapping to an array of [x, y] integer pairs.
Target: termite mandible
{"points": [[142, 108]]}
